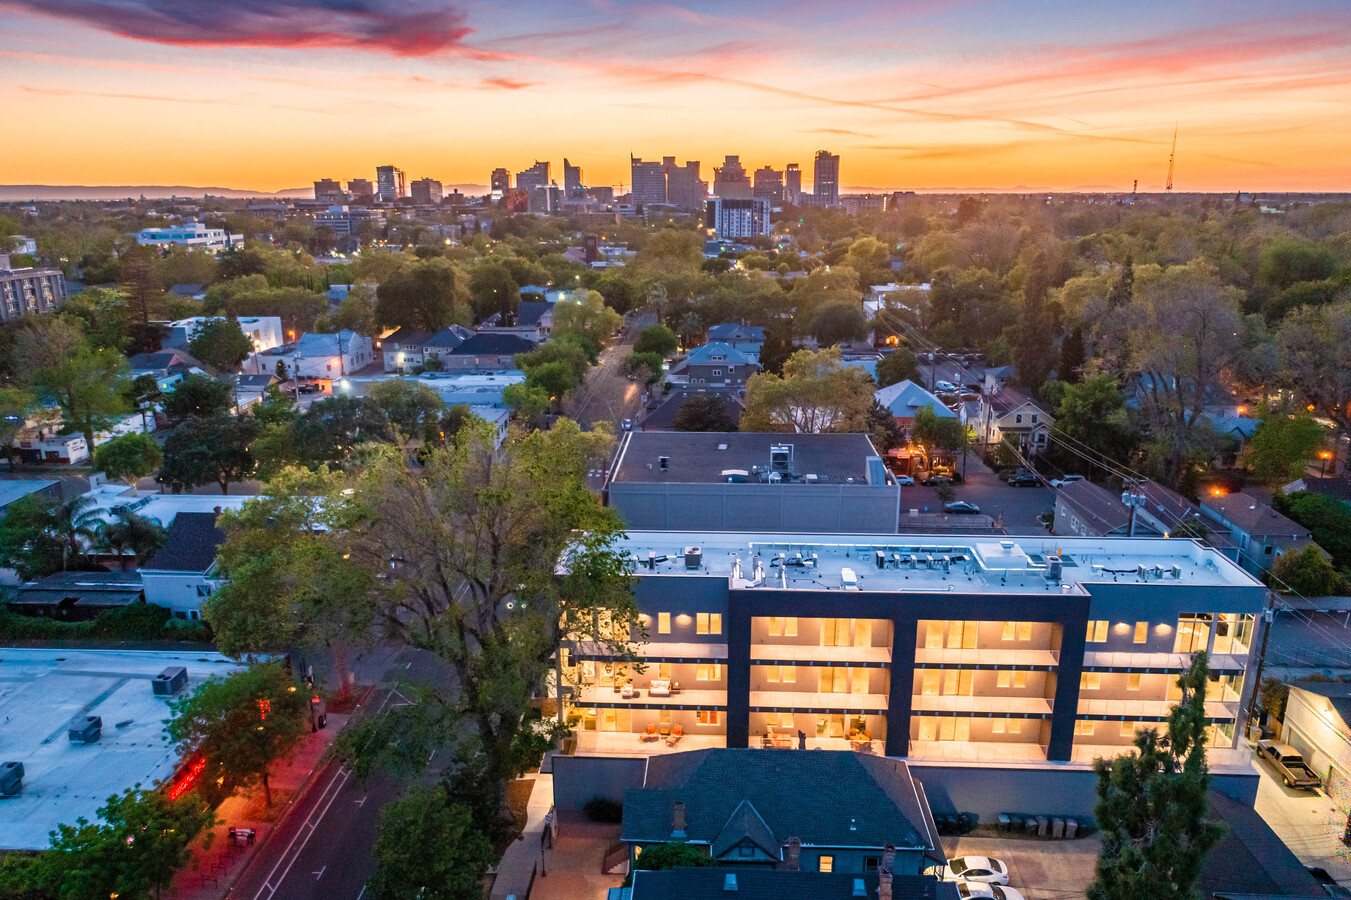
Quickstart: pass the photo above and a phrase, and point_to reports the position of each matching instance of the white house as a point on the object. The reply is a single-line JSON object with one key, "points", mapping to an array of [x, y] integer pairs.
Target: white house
{"points": [[183, 573], [317, 356], [264, 331], [189, 234]]}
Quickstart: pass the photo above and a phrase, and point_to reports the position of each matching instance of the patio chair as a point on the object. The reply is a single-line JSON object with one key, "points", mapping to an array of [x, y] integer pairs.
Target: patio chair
{"points": [[650, 734], [676, 734]]}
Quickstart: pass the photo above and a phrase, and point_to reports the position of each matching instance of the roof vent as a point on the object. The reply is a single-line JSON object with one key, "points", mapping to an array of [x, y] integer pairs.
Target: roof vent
{"points": [[729, 881]]}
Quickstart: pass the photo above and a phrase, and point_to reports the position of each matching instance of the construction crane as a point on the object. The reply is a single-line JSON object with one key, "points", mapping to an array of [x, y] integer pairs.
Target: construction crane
{"points": [[1169, 185]]}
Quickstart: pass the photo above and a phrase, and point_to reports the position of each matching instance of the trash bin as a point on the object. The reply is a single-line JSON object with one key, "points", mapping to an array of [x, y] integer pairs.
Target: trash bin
{"points": [[965, 822], [1031, 824], [1005, 823], [1071, 828], [1043, 823], [1057, 828]]}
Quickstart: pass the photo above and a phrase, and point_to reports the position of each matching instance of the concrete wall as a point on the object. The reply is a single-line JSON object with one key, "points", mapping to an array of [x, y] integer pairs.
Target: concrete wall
{"points": [[1314, 728], [837, 508], [986, 790], [578, 779]]}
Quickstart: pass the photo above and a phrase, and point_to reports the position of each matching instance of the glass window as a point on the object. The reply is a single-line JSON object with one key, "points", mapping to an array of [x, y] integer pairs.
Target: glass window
{"points": [[1020, 679], [708, 717], [1097, 631], [1083, 727], [790, 626], [1090, 681], [1005, 678], [1024, 631], [663, 623], [999, 725], [708, 672], [775, 626], [1141, 632], [663, 670], [826, 864], [1010, 630], [1133, 681], [1015, 725], [928, 728], [788, 674], [929, 685], [771, 674], [1127, 728], [708, 623], [933, 636], [1193, 632]]}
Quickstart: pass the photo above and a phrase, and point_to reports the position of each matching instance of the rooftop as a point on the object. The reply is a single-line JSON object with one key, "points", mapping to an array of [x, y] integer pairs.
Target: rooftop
{"points": [[903, 398], [163, 508], [1250, 515], [706, 457], [41, 691], [753, 883], [493, 344], [1100, 508], [939, 562], [14, 490], [190, 545]]}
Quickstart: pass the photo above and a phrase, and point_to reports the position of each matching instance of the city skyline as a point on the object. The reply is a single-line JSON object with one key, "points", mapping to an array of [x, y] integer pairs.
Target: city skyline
{"points": [[931, 95]]}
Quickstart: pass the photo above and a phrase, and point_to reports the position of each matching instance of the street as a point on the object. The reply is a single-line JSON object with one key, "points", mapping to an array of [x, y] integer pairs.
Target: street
{"points": [[607, 394], [322, 849]]}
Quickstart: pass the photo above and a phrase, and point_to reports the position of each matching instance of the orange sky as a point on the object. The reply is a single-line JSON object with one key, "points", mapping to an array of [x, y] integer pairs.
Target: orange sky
{"points": [[933, 94]]}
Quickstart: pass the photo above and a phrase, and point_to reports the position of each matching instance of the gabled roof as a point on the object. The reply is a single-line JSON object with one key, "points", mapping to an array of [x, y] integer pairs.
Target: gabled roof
{"points": [[449, 337], [905, 397], [529, 312], [1099, 509], [732, 331], [755, 883], [1007, 400], [403, 336], [725, 354], [258, 382], [1250, 860], [825, 798], [1251, 516], [190, 546], [493, 343], [315, 344], [663, 415], [187, 290], [745, 825]]}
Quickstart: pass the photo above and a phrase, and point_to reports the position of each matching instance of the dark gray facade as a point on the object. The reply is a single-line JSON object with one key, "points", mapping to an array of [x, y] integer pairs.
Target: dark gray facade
{"points": [[29, 290]]}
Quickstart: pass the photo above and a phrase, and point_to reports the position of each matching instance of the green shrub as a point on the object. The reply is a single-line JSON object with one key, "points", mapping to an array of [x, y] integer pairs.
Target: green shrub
{"points": [[137, 622]]}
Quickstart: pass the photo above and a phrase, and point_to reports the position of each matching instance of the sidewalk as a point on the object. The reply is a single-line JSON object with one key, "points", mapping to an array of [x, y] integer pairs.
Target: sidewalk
{"points": [[524, 856], [216, 864]]}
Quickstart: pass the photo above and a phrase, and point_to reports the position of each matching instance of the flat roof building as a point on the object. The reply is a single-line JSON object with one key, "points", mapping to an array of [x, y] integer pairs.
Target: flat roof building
{"points": [[29, 290]]}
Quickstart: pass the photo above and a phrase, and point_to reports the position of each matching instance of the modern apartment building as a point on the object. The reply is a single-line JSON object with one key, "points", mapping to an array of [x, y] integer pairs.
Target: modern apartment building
{"points": [[937, 648], [426, 191], [826, 178], [730, 180], [741, 218], [361, 190], [390, 183], [500, 183], [572, 179], [769, 184], [29, 290], [533, 177], [647, 180], [792, 183], [191, 234]]}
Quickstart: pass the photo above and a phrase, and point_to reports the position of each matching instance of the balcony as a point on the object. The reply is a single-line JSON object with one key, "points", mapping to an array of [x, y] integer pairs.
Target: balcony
{"points": [[1220, 710], [1159, 662], [623, 743], [985, 658], [794, 654], [607, 697], [977, 751], [657, 651], [1007, 706], [815, 702]]}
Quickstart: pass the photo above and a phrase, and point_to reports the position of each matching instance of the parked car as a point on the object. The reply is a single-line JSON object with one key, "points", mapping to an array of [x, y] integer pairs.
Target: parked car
{"points": [[1289, 765], [1065, 479], [961, 507], [1025, 479], [945, 386], [938, 479], [310, 389], [904, 480], [981, 890], [983, 869], [628, 425]]}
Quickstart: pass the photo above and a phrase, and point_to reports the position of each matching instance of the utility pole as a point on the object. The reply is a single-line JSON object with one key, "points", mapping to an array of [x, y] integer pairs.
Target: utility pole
{"points": [[1134, 498], [1268, 615], [296, 375]]}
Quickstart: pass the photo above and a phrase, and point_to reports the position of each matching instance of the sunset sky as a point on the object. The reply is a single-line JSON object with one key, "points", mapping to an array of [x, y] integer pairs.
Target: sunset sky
{"points": [[927, 95]]}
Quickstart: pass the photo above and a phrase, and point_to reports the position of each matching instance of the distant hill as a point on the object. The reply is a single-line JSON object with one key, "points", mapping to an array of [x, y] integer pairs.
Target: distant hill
{"points": [[16, 192]]}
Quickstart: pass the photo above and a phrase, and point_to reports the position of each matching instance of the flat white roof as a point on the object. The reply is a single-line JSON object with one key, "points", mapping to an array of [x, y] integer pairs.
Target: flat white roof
{"points": [[41, 691], [943, 562], [160, 507]]}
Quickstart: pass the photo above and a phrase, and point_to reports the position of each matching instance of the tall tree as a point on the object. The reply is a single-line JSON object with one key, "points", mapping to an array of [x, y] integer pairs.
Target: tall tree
{"points": [[84, 384], [897, 366], [239, 726], [816, 393], [658, 339], [1073, 355], [429, 847], [1316, 350], [1283, 444], [1152, 805], [1123, 289], [221, 343], [203, 451], [412, 407], [420, 295], [1034, 344], [15, 405], [129, 457], [197, 396], [493, 290], [704, 412], [133, 538], [591, 319]]}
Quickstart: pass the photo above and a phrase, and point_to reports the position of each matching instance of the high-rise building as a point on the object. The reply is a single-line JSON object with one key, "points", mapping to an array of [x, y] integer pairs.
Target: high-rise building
{"points": [[390, 182], [326, 190], [648, 181], [738, 217], [826, 178], [361, 190], [426, 191], [769, 184], [792, 183], [730, 180], [684, 187], [533, 177], [501, 183], [572, 179]]}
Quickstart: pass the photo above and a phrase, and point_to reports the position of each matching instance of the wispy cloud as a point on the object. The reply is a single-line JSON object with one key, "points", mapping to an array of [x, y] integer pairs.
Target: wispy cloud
{"points": [[507, 84]]}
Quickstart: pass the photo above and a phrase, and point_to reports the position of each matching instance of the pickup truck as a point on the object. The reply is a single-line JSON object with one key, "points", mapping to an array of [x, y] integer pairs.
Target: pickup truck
{"points": [[1289, 764]]}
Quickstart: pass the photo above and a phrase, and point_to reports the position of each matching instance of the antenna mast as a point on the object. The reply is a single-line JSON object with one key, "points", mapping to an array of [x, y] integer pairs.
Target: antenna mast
{"points": [[1169, 185]]}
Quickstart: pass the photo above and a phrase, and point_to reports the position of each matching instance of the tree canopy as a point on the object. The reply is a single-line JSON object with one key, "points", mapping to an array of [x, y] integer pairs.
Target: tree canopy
{"points": [[816, 393]]}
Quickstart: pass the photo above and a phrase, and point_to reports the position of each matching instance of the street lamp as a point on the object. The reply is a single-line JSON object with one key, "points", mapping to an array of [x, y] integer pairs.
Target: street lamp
{"points": [[1324, 456]]}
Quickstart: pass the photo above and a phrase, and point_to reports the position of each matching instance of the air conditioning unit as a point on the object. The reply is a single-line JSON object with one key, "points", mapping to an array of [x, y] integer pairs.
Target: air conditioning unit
{"points": [[11, 778], [86, 730], [170, 681], [694, 557]]}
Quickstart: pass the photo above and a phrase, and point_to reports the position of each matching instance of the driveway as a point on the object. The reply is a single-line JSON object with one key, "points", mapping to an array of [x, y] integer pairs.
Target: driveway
{"points": [[1040, 869], [1308, 823], [1018, 508]]}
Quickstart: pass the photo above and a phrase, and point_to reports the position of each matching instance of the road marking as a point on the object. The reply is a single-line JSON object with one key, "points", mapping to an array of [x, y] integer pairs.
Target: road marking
{"points": [[320, 873], [311, 822], [362, 801], [363, 892], [408, 665]]}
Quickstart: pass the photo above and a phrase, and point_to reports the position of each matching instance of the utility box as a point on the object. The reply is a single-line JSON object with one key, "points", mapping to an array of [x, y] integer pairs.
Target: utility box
{"points": [[86, 730], [11, 778], [170, 681]]}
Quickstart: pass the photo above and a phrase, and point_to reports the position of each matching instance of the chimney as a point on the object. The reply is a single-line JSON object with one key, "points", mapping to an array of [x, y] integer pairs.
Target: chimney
{"points": [[793, 856], [678, 820], [884, 883], [888, 856]]}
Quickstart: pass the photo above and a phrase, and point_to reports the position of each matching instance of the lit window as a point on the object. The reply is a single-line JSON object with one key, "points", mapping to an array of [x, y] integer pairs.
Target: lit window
{"points": [[1024, 631], [708, 623], [771, 673], [789, 626], [1133, 681], [1083, 727], [1020, 679], [1097, 631], [827, 864], [788, 674], [1005, 678], [708, 717], [663, 670], [1000, 725], [708, 672], [1127, 728], [1015, 725], [1141, 632], [1010, 630], [929, 686], [663, 623], [1090, 681]]}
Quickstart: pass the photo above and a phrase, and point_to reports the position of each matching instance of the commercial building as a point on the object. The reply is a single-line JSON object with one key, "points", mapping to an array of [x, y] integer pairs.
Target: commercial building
{"points": [[326, 190], [792, 183], [732, 481], [769, 184], [361, 190], [390, 183], [684, 188], [730, 180], [29, 290], [860, 204], [992, 652], [534, 177], [191, 234], [346, 221], [572, 179], [499, 183], [647, 180], [739, 218], [426, 192], [826, 178]]}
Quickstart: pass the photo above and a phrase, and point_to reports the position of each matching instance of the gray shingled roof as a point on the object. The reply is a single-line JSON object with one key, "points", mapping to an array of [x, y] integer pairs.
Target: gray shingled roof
{"points": [[825, 798], [529, 312], [190, 546], [745, 824], [755, 883], [491, 343]]}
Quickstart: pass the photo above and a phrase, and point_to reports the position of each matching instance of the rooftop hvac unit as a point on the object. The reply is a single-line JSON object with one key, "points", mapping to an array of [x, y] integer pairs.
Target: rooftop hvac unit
{"points": [[694, 557], [848, 579], [780, 456], [1177, 571], [11, 778], [170, 681], [1054, 566], [86, 730]]}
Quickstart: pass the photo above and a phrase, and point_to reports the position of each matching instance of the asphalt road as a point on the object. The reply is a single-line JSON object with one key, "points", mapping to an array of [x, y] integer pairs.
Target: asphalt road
{"points": [[322, 849], [607, 394]]}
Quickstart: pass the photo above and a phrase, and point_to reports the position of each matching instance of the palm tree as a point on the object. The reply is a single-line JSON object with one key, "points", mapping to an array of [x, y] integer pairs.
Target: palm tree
{"points": [[75, 523], [130, 536]]}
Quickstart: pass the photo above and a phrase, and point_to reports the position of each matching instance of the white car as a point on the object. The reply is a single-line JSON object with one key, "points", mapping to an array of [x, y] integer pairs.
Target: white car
{"points": [[944, 386], [978, 868], [904, 480], [979, 890], [1065, 479]]}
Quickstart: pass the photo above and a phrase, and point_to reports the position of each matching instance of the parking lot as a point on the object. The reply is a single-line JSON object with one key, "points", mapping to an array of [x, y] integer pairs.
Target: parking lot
{"points": [[1018, 508], [1039, 869]]}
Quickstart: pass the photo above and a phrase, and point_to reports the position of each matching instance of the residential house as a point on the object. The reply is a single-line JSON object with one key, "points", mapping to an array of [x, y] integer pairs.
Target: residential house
{"points": [[832, 811], [168, 366], [321, 356], [904, 398], [1007, 414], [183, 573], [402, 349], [188, 291], [487, 351], [716, 365], [250, 389], [264, 332], [1088, 510], [444, 341], [748, 340], [78, 596], [17, 489], [1262, 534], [718, 882], [661, 414]]}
